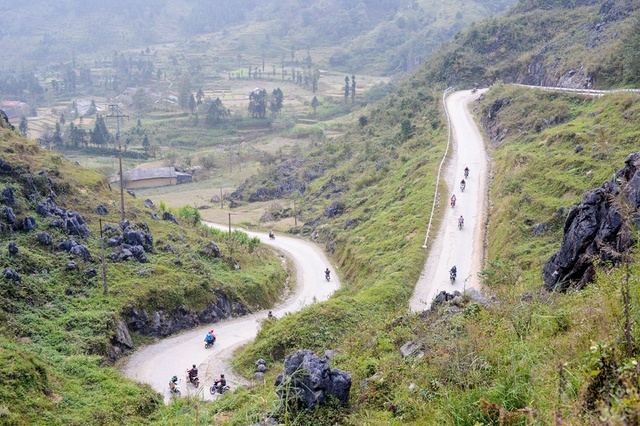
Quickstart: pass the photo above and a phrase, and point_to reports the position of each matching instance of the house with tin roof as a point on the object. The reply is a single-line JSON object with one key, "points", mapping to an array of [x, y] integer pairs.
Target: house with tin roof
{"points": [[152, 177]]}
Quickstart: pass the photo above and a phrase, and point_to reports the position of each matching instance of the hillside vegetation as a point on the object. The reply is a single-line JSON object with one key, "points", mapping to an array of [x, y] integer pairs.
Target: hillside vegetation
{"points": [[523, 355], [581, 44], [59, 330], [529, 356]]}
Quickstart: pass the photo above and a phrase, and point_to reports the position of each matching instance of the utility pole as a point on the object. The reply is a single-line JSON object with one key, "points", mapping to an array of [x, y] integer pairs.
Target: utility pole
{"points": [[104, 267], [116, 113], [295, 216], [229, 224]]}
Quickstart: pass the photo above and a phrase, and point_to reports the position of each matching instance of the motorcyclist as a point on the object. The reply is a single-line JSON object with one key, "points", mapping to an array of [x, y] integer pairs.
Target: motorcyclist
{"points": [[463, 184], [453, 200], [210, 337], [460, 221], [453, 272], [272, 235], [220, 383], [173, 383], [466, 172], [270, 315], [193, 373], [327, 274]]}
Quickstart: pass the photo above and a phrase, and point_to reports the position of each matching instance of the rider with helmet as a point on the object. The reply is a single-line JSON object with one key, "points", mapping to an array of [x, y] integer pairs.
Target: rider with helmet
{"points": [[327, 274], [453, 200], [466, 172], [460, 222], [173, 383], [220, 383], [210, 337], [193, 373], [453, 272]]}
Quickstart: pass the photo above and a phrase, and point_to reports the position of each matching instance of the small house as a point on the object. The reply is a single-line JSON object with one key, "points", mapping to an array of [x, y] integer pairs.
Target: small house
{"points": [[158, 176]]}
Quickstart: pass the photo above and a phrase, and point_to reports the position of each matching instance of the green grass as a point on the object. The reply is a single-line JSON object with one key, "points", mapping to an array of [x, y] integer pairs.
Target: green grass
{"points": [[528, 350], [57, 325]]}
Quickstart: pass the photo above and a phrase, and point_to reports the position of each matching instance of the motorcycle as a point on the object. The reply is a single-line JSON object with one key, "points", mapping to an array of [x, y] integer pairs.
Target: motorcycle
{"points": [[195, 381], [209, 343], [218, 389], [460, 223], [175, 389]]}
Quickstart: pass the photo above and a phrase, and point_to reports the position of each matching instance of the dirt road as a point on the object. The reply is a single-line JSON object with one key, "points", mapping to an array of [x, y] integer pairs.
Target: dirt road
{"points": [[452, 246], [156, 363]]}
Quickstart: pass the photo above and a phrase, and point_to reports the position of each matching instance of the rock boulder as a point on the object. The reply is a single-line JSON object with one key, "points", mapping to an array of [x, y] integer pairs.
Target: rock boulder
{"points": [[594, 230]]}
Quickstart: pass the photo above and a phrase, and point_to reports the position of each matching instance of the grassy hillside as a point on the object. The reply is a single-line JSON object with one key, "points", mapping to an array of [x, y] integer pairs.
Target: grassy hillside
{"points": [[535, 357], [587, 44], [529, 356], [58, 327], [525, 355]]}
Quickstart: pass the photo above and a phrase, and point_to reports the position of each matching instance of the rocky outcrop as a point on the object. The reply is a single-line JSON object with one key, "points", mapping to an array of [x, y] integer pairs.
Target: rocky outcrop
{"points": [[308, 380], [161, 324], [289, 177], [70, 221], [594, 230]]}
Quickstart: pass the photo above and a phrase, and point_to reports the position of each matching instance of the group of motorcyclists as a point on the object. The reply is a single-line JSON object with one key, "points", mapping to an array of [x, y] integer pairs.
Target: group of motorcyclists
{"points": [[453, 272], [219, 386]]}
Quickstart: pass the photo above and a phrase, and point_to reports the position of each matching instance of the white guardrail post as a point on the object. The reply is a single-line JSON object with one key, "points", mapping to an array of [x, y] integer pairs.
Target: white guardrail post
{"points": [[444, 157]]}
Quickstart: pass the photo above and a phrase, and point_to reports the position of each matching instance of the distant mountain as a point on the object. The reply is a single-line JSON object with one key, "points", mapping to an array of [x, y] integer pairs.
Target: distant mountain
{"points": [[367, 35]]}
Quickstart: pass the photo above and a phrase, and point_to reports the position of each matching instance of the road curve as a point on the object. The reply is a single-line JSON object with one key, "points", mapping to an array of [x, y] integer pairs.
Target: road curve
{"points": [[155, 364], [463, 248]]}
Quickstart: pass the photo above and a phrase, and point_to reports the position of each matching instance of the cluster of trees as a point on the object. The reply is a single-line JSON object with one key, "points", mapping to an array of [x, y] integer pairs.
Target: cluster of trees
{"points": [[258, 101], [350, 88], [77, 137], [20, 85]]}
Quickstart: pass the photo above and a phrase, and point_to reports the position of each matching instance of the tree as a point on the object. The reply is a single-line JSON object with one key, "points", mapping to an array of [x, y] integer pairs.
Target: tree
{"points": [[258, 103], [57, 136], [406, 129], [353, 88], [277, 98], [100, 135], [315, 104], [141, 100], [346, 88], [77, 136], [93, 108], [200, 97], [184, 91], [216, 112], [146, 144], [192, 103], [314, 80], [23, 127]]}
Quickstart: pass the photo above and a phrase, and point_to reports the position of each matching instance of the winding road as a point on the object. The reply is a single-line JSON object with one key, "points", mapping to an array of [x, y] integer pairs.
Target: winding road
{"points": [[156, 363], [452, 246]]}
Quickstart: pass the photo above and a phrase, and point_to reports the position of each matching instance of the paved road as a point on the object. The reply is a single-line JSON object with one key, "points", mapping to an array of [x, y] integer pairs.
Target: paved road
{"points": [[451, 246], [156, 363]]}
